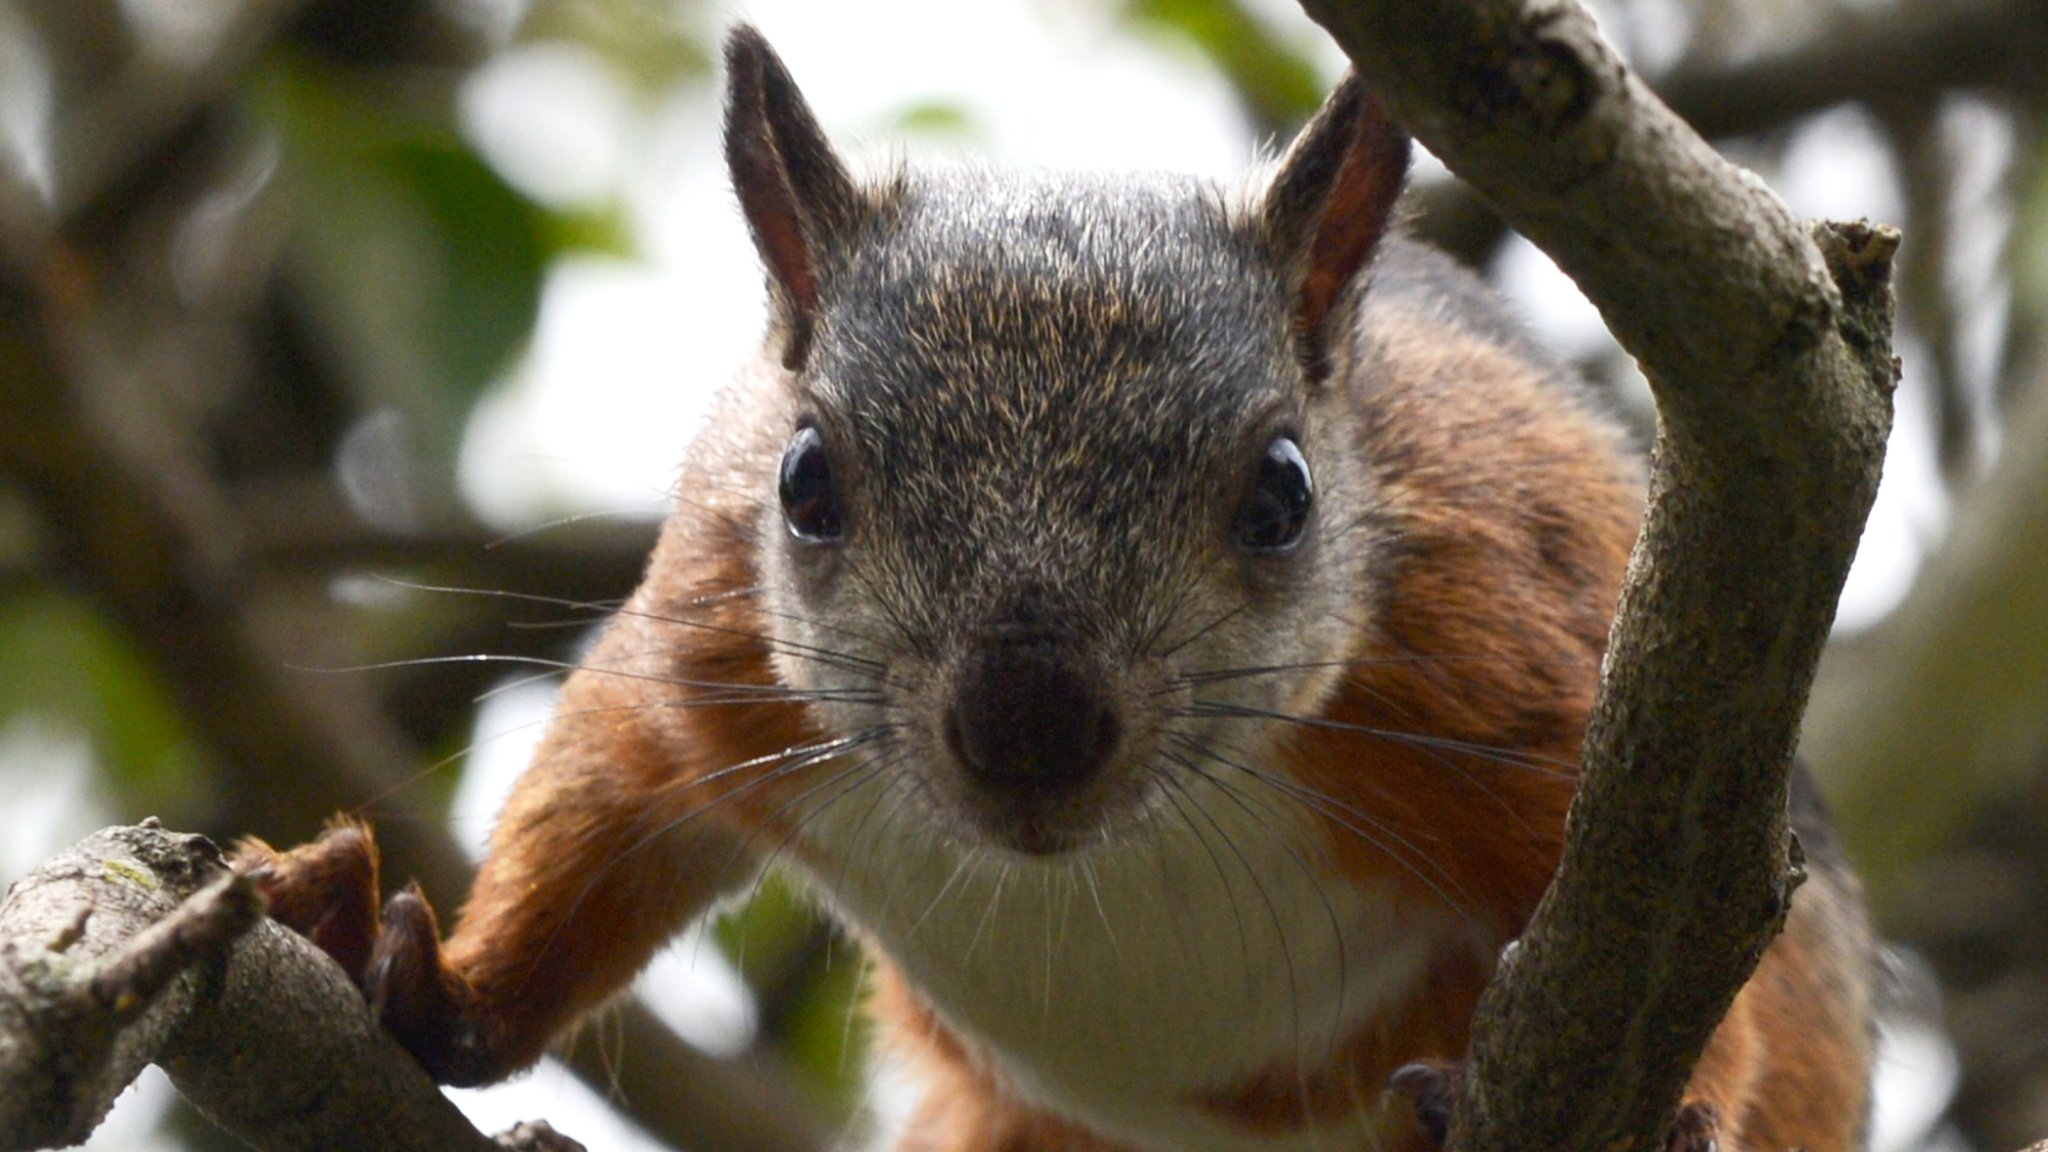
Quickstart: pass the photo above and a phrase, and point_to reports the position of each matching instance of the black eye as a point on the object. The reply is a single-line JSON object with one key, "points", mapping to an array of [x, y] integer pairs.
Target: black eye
{"points": [[810, 501], [1275, 513]]}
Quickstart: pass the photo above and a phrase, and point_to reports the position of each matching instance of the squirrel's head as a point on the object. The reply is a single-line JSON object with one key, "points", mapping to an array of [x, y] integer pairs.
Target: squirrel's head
{"points": [[1067, 506]]}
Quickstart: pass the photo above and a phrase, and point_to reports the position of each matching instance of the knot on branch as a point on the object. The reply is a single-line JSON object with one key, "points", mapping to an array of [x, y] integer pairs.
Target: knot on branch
{"points": [[1859, 254], [1859, 260], [1538, 79]]}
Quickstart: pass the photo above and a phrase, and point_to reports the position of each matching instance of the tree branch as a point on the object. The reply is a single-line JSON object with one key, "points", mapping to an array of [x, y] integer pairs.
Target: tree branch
{"points": [[1773, 373], [137, 946], [1906, 53], [116, 123]]}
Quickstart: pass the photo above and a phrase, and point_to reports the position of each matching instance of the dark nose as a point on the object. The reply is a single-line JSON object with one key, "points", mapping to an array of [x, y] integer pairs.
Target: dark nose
{"points": [[1026, 723]]}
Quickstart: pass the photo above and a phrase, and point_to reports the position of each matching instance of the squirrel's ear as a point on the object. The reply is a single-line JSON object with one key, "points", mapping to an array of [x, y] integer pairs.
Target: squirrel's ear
{"points": [[1331, 203], [794, 190]]}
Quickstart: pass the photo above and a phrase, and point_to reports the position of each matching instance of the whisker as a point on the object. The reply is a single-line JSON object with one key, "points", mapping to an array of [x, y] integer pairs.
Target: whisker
{"points": [[1435, 747], [851, 777], [1174, 792], [959, 869], [881, 595], [995, 897], [794, 759], [1221, 619], [1222, 675], [650, 517], [1095, 895], [1358, 822], [1272, 914], [858, 834], [1315, 878], [1507, 757], [613, 608]]}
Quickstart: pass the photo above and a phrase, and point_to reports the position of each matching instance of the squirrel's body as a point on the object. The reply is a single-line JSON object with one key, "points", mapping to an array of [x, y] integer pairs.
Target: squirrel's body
{"points": [[1172, 665]]}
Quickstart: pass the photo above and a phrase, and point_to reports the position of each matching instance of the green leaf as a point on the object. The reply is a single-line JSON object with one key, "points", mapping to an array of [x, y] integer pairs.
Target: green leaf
{"points": [[642, 39], [828, 1035], [934, 118], [1279, 85], [420, 266], [64, 662]]}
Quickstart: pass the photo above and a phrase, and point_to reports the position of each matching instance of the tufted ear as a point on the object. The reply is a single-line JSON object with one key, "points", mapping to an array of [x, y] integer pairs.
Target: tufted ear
{"points": [[795, 191], [1330, 205]]}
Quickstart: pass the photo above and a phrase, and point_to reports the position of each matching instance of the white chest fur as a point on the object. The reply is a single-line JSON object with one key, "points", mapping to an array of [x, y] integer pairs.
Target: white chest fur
{"points": [[1118, 985]]}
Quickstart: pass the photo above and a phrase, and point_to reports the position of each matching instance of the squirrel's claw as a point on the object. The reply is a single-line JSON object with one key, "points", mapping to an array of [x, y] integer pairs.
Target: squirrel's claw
{"points": [[1697, 1129], [419, 998], [1433, 1086], [327, 891]]}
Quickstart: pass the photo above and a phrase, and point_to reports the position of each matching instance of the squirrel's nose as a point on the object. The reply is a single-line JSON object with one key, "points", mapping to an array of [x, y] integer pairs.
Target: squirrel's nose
{"points": [[1026, 724]]}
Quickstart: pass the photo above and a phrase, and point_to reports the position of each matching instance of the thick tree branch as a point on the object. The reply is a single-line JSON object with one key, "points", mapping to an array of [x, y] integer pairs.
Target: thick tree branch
{"points": [[136, 946], [1773, 375]]}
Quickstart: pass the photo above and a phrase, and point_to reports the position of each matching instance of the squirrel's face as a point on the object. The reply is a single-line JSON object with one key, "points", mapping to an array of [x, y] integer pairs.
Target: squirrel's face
{"points": [[1067, 518], [1060, 499]]}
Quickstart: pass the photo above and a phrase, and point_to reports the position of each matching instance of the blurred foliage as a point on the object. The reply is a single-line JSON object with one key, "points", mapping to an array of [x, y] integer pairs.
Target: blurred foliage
{"points": [[425, 265], [780, 941], [936, 118], [1279, 84], [64, 663], [2029, 244], [643, 41]]}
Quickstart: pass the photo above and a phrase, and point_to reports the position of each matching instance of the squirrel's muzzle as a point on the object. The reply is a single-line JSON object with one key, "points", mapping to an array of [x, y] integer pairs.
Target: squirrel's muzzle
{"points": [[1031, 729]]}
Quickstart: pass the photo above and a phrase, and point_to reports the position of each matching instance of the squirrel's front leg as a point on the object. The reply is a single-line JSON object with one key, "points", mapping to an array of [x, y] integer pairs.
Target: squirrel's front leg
{"points": [[603, 852]]}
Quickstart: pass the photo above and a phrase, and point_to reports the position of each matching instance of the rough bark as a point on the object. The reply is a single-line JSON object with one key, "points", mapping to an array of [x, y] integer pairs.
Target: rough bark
{"points": [[137, 946], [1768, 350]]}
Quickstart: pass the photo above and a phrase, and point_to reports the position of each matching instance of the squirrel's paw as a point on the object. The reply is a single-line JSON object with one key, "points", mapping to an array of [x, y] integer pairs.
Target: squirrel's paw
{"points": [[421, 1000], [1433, 1086], [1697, 1129], [327, 891]]}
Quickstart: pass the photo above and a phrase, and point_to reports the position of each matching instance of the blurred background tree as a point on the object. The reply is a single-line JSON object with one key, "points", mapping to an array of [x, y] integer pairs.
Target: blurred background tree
{"points": [[342, 341]]}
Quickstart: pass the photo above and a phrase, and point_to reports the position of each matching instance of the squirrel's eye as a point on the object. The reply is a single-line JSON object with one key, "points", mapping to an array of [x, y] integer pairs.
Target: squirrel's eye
{"points": [[810, 501], [1275, 513]]}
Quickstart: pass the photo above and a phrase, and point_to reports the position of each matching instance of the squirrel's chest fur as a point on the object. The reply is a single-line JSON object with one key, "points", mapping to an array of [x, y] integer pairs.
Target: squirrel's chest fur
{"points": [[1139, 988]]}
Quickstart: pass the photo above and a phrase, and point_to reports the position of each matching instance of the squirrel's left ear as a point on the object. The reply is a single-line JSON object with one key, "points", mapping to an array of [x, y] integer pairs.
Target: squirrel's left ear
{"points": [[1330, 204], [793, 188]]}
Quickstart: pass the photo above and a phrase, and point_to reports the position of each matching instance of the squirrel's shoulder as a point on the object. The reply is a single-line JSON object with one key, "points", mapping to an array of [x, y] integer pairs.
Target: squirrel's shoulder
{"points": [[1417, 284]]}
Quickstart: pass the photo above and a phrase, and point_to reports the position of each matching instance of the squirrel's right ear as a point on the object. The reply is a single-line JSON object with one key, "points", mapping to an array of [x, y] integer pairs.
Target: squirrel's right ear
{"points": [[793, 188], [1330, 205]]}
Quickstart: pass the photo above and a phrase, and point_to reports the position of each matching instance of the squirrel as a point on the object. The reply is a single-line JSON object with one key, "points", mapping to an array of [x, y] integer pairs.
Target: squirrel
{"points": [[1160, 621]]}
